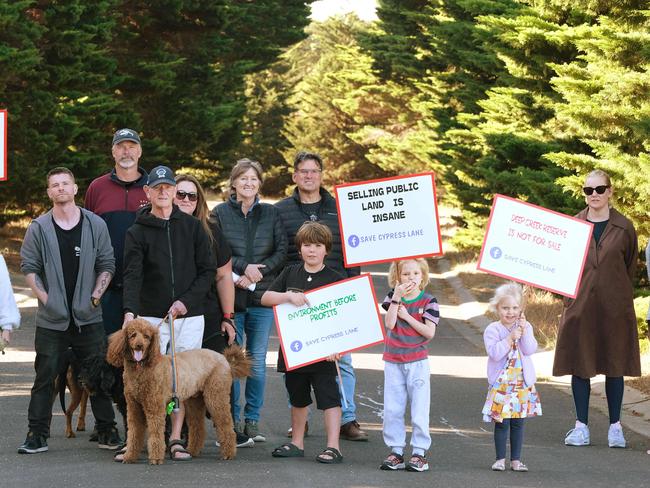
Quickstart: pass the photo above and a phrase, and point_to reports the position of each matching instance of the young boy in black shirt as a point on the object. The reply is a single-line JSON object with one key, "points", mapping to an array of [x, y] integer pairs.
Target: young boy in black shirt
{"points": [[314, 241]]}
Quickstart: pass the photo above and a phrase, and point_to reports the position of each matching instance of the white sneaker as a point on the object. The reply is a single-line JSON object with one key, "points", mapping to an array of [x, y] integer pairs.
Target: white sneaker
{"points": [[615, 436], [578, 436]]}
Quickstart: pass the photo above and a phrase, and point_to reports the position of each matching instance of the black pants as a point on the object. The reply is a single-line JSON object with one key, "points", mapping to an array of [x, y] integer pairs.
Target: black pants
{"points": [[614, 387], [516, 429], [50, 345]]}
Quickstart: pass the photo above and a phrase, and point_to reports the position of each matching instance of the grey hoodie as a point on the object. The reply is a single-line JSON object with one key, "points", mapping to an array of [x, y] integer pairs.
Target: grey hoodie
{"points": [[40, 254]]}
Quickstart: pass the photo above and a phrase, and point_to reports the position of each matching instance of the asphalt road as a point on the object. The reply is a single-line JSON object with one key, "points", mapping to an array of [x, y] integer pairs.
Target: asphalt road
{"points": [[461, 454]]}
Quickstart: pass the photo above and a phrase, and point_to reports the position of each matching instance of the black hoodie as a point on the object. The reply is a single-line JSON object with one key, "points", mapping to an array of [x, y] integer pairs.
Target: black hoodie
{"points": [[165, 261]]}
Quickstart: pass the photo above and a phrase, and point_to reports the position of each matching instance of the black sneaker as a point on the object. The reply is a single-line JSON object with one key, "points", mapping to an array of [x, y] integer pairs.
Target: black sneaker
{"points": [[242, 440], [109, 440], [33, 444], [93, 435]]}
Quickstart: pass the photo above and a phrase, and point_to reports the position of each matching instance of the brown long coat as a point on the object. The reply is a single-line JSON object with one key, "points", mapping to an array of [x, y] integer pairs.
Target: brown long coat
{"points": [[598, 332]]}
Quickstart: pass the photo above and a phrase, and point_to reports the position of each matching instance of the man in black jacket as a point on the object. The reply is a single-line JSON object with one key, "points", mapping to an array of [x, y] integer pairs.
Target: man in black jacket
{"points": [[310, 202], [168, 269]]}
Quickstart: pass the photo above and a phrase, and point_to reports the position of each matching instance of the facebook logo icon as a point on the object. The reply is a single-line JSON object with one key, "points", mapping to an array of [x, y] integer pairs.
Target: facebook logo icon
{"points": [[353, 240]]}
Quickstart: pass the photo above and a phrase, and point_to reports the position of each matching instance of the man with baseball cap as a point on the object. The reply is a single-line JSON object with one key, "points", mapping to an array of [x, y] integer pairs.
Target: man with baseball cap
{"points": [[168, 270], [115, 197]]}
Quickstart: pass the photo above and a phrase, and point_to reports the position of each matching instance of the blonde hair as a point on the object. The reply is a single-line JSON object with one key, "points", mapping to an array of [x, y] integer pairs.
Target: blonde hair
{"points": [[602, 174], [241, 167], [510, 289], [396, 269]]}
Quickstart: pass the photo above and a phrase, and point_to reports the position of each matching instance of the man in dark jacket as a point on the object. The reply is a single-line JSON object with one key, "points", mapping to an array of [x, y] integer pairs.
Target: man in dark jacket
{"points": [[168, 270], [68, 262], [116, 197], [311, 202]]}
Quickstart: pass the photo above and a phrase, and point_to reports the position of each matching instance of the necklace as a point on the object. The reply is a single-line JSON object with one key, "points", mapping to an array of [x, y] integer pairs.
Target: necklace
{"points": [[309, 274]]}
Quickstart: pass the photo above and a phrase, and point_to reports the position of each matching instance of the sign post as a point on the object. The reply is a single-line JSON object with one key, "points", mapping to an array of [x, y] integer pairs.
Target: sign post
{"points": [[387, 219], [535, 246]]}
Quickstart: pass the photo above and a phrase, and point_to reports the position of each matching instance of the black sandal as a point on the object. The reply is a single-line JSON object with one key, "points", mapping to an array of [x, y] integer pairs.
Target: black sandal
{"points": [[288, 450], [181, 449], [330, 455]]}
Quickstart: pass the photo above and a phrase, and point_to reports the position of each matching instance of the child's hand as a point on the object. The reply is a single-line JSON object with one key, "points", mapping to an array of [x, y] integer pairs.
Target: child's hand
{"points": [[333, 357], [521, 322], [516, 333], [402, 313], [297, 299], [403, 289]]}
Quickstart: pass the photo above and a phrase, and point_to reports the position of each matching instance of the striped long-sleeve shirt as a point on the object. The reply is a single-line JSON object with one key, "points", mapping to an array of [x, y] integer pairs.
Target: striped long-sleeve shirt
{"points": [[403, 343]]}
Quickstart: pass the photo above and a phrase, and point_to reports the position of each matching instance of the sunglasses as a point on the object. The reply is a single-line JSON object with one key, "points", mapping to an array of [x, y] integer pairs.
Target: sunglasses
{"points": [[191, 196], [600, 189]]}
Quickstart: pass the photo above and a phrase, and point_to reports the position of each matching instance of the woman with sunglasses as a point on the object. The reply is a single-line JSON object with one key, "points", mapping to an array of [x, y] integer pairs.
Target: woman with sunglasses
{"points": [[598, 330], [258, 241]]}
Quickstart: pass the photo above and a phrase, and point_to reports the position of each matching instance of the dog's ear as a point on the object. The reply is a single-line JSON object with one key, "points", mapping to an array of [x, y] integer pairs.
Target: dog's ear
{"points": [[117, 343], [154, 355]]}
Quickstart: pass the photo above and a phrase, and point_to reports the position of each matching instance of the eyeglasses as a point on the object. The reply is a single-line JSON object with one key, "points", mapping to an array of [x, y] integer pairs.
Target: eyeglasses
{"points": [[306, 172], [600, 189], [191, 196]]}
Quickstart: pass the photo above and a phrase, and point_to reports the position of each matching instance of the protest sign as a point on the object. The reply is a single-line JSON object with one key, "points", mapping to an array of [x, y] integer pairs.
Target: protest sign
{"points": [[3, 145], [387, 219], [340, 317], [535, 246]]}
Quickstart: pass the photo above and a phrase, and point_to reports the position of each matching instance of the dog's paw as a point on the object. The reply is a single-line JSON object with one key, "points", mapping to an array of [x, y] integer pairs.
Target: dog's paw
{"points": [[69, 434], [155, 461], [81, 427]]}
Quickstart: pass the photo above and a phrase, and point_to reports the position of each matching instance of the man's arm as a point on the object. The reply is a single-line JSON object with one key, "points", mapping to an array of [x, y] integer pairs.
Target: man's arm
{"points": [[37, 286]]}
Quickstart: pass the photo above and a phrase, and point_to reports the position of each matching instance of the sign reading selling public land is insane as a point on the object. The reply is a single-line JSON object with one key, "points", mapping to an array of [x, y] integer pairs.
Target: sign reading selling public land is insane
{"points": [[388, 219], [534, 245], [339, 318], [3, 145]]}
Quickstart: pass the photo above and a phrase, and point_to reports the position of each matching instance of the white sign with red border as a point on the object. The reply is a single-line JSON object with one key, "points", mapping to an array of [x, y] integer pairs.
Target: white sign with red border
{"points": [[3, 145], [535, 246], [388, 219], [340, 318]]}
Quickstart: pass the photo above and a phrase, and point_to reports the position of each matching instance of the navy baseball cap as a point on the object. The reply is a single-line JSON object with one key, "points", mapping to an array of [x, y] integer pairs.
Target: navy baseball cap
{"points": [[161, 174], [125, 135]]}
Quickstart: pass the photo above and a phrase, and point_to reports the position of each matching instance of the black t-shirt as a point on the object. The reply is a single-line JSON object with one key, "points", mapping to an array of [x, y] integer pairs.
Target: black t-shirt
{"points": [[213, 312], [599, 228], [311, 210], [296, 278], [70, 250]]}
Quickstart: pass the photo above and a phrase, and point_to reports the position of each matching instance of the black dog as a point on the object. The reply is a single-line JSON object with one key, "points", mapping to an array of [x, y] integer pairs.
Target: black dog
{"points": [[96, 375]]}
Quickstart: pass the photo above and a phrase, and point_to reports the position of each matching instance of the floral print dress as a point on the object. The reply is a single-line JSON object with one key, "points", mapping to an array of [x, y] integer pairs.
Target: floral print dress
{"points": [[509, 397]]}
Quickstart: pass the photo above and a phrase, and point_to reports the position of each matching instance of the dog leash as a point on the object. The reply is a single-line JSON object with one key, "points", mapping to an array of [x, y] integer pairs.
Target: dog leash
{"points": [[174, 405]]}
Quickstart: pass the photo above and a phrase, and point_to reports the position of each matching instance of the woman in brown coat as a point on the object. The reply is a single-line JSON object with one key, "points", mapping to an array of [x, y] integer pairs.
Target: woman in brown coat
{"points": [[598, 332]]}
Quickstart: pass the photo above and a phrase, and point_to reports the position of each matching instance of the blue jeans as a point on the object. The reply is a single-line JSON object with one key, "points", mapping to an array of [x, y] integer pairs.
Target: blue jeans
{"points": [[255, 324], [349, 412], [516, 429]]}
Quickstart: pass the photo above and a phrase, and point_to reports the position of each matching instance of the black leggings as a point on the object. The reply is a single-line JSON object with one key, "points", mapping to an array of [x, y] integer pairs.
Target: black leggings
{"points": [[516, 429], [581, 388]]}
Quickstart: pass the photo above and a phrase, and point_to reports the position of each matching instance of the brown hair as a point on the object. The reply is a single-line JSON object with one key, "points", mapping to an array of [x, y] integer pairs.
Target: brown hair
{"points": [[307, 156], [201, 211], [314, 233], [396, 269], [59, 170], [241, 167]]}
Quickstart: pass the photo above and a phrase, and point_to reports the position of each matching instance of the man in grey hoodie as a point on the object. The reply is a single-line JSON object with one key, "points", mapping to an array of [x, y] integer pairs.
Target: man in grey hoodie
{"points": [[68, 261]]}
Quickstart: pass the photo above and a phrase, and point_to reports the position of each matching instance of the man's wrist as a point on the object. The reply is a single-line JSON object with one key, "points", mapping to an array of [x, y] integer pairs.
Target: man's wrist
{"points": [[229, 315]]}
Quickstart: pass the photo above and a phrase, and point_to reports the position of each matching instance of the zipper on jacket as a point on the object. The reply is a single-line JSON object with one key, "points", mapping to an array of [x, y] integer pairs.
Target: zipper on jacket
{"points": [[126, 198], [171, 258]]}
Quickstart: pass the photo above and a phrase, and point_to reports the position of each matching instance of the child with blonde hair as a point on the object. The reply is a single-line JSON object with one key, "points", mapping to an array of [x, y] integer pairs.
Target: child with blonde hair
{"points": [[411, 319], [512, 396]]}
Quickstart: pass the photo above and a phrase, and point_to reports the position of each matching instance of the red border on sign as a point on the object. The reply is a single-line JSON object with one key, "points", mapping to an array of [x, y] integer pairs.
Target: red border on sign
{"points": [[383, 332], [4, 140], [584, 258], [343, 240]]}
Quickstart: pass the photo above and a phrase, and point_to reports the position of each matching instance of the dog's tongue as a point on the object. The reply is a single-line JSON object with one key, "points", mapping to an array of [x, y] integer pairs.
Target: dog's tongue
{"points": [[137, 355]]}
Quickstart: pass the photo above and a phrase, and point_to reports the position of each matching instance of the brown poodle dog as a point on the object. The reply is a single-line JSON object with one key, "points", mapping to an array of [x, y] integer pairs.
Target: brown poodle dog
{"points": [[204, 380]]}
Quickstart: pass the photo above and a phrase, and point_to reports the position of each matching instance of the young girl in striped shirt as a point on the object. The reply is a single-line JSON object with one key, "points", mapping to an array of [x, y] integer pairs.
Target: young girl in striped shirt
{"points": [[411, 319]]}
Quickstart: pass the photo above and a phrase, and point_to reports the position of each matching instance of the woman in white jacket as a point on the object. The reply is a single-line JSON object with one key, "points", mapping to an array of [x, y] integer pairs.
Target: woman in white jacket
{"points": [[9, 314]]}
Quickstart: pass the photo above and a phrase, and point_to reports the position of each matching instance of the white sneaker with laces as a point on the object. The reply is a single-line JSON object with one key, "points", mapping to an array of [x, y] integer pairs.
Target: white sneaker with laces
{"points": [[615, 436], [578, 436]]}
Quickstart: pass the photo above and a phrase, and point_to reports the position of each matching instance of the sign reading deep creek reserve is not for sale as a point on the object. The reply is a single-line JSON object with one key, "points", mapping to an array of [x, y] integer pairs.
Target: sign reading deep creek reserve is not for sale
{"points": [[387, 219]]}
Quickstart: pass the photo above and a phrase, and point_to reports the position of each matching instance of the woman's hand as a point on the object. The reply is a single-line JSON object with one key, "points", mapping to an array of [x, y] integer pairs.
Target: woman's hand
{"points": [[6, 335], [252, 272], [229, 330], [243, 283], [333, 357]]}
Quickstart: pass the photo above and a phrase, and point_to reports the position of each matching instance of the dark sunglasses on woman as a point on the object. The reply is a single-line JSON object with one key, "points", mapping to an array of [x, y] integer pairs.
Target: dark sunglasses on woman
{"points": [[600, 189], [191, 196]]}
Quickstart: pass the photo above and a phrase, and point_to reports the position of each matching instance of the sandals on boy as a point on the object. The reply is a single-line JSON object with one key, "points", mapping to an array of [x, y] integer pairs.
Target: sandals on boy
{"points": [[180, 449], [288, 450], [330, 455]]}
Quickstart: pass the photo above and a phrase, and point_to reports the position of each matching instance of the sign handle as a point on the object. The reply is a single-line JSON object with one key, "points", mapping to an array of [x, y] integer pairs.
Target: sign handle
{"points": [[338, 372]]}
